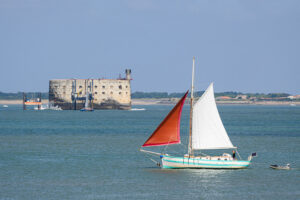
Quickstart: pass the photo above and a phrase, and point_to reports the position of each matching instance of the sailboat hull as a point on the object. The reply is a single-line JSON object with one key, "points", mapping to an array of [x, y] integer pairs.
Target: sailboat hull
{"points": [[171, 162]]}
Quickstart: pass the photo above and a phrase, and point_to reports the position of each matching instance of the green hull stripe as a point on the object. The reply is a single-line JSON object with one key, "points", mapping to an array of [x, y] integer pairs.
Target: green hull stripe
{"points": [[207, 164], [207, 160]]}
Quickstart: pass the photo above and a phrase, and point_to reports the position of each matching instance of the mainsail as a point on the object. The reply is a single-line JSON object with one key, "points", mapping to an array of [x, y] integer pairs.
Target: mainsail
{"points": [[208, 131], [168, 132]]}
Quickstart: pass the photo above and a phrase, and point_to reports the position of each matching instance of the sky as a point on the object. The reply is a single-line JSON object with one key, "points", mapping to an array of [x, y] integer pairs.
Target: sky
{"points": [[245, 46]]}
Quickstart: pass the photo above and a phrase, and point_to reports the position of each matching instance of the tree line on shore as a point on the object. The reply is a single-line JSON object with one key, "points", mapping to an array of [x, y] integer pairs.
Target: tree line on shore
{"points": [[19, 95], [140, 95]]}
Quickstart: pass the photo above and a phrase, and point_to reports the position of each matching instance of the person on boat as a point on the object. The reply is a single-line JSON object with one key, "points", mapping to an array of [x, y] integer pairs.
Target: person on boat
{"points": [[233, 154]]}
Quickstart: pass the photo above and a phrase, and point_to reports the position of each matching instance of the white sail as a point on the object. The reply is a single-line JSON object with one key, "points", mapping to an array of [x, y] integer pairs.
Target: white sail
{"points": [[208, 131]]}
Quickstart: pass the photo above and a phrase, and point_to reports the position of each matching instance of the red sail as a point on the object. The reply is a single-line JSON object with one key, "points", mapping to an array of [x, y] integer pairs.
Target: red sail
{"points": [[168, 132]]}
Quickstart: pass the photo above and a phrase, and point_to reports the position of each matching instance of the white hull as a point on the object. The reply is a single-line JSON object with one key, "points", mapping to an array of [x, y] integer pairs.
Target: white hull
{"points": [[170, 162]]}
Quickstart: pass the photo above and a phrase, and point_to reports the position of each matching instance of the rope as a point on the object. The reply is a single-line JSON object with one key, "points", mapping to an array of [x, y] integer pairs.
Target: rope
{"points": [[238, 154], [157, 163], [148, 155]]}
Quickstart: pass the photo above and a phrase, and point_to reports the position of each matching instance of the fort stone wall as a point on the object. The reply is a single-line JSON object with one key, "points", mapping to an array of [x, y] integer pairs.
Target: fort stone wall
{"points": [[70, 94]]}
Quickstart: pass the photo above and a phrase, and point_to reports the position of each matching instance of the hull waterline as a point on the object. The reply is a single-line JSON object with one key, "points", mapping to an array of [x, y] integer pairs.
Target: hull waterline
{"points": [[171, 162]]}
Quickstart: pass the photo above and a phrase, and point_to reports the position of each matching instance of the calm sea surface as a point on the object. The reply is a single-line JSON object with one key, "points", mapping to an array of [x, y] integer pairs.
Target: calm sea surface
{"points": [[77, 155]]}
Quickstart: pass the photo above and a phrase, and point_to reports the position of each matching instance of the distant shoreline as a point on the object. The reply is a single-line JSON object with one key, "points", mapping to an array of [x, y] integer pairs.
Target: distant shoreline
{"points": [[174, 101], [18, 101], [135, 102]]}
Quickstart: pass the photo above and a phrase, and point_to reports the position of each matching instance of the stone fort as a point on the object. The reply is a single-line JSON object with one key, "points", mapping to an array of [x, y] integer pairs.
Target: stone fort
{"points": [[71, 94]]}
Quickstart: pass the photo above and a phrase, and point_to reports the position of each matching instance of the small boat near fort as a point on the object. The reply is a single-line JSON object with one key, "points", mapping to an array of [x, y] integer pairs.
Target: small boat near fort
{"points": [[87, 109], [47, 107], [42, 107], [137, 109], [206, 132]]}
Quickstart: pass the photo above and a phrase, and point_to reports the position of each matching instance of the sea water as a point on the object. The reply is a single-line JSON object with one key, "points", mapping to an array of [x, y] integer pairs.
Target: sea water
{"points": [[94, 155]]}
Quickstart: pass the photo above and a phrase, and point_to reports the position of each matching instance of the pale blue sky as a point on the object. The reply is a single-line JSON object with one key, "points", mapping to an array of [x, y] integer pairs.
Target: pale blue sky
{"points": [[247, 46]]}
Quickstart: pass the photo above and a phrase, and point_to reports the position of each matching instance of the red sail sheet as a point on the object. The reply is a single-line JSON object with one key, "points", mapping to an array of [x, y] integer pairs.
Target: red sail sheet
{"points": [[168, 132]]}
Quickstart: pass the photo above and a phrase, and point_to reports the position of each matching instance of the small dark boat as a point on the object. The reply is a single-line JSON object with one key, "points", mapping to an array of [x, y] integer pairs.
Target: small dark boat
{"points": [[286, 167]]}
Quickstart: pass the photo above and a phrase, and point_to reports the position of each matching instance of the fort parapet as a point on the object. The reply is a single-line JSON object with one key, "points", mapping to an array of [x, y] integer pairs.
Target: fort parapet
{"points": [[71, 94]]}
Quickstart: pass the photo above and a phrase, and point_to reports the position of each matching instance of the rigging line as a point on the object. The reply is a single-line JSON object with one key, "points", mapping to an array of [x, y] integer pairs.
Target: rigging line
{"points": [[149, 156], [166, 146], [186, 141], [165, 149], [156, 162], [161, 149], [238, 154]]}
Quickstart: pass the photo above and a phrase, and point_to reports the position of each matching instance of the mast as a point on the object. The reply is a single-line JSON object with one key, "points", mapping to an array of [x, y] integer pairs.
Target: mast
{"points": [[190, 149]]}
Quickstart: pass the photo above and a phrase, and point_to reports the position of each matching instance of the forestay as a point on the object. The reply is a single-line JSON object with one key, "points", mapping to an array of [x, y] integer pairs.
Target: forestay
{"points": [[208, 131]]}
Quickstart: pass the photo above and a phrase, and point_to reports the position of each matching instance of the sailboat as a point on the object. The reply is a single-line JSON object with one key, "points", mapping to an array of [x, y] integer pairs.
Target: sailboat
{"points": [[206, 132]]}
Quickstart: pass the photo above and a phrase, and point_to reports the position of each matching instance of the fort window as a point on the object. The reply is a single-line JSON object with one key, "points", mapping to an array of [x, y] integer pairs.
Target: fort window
{"points": [[103, 86], [103, 92], [80, 86], [120, 93], [96, 92], [126, 86], [126, 92], [120, 87], [96, 86], [111, 92]]}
